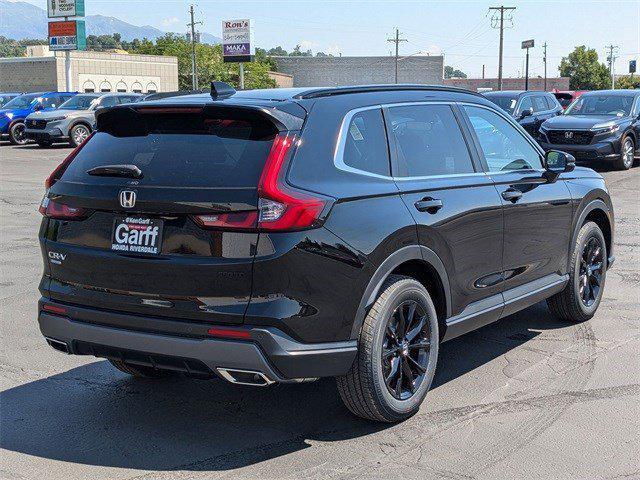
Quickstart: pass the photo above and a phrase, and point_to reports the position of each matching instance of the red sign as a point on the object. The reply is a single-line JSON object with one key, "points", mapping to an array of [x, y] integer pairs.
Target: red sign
{"points": [[62, 29]]}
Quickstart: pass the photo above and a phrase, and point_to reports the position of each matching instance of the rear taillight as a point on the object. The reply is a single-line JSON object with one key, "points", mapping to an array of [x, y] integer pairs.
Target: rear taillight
{"points": [[59, 170], [280, 207], [60, 211]]}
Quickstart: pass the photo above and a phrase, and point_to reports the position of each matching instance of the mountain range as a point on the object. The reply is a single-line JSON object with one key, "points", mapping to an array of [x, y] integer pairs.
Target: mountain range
{"points": [[20, 20]]}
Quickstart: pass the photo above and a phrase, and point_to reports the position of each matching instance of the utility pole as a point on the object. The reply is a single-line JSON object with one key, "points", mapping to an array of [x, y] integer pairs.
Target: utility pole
{"points": [[194, 71], [544, 59], [397, 41], [613, 49], [502, 9]]}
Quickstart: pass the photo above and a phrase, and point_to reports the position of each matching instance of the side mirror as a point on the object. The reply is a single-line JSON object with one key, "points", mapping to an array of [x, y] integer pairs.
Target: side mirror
{"points": [[526, 113], [557, 162]]}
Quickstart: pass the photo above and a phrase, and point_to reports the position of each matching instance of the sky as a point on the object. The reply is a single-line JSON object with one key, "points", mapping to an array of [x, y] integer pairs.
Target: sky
{"points": [[461, 30]]}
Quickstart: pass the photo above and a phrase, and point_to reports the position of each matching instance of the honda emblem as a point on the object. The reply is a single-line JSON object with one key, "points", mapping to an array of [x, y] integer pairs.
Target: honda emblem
{"points": [[127, 198], [568, 135]]}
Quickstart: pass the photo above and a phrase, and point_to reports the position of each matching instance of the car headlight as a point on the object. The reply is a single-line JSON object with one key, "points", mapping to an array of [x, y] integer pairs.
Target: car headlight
{"points": [[609, 129], [9, 115]]}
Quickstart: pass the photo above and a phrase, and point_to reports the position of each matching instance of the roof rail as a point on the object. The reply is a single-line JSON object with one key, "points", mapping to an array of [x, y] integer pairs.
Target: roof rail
{"points": [[328, 92]]}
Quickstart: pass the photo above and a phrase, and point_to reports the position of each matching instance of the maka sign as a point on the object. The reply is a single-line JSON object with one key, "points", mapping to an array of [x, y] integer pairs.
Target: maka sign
{"points": [[237, 40], [65, 8]]}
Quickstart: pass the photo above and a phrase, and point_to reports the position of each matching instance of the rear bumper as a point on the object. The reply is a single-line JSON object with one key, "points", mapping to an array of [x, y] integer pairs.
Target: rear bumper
{"points": [[267, 350]]}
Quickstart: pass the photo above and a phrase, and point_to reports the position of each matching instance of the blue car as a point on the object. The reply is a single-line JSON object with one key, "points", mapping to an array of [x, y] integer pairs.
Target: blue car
{"points": [[13, 113], [6, 97]]}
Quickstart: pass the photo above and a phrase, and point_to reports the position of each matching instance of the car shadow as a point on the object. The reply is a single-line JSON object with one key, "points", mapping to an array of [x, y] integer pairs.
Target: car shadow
{"points": [[35, 146], [94, 415]]}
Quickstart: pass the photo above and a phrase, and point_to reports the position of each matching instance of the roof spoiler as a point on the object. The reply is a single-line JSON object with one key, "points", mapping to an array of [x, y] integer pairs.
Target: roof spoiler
{"points": [[221, 89]]}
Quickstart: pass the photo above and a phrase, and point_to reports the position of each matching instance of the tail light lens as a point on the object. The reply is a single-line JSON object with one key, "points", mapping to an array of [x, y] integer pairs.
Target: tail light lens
{"points": [[60, 211], [59, 170], [280, 207]]}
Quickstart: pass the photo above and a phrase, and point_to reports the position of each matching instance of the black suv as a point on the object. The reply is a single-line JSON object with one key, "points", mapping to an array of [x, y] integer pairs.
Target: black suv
{"points": [[599, 126], [529, 108], [283, 235]]}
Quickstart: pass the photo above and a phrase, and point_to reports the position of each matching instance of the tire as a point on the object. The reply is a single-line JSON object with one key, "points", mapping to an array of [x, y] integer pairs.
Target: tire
{"points": [[627, 154], [78, 134], [363, 389], [570, 303], [138, 370], [16, 134]]}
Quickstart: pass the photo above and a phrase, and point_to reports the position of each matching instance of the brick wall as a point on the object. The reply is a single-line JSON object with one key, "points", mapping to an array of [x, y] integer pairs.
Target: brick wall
{"points": [[27, 74], [338, 71]]}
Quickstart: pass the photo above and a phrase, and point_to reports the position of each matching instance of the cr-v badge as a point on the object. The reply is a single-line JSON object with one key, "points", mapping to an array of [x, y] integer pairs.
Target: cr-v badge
{"points": [[127, 198]]}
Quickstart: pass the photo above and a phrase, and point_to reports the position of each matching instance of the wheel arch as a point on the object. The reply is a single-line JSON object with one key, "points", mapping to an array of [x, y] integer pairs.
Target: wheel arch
{"points": [[415, 261], [80, 121], [598, 212]]}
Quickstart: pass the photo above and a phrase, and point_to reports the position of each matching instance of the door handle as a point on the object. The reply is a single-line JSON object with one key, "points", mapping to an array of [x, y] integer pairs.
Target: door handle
{"points": [[430, 205], [512, 195]]}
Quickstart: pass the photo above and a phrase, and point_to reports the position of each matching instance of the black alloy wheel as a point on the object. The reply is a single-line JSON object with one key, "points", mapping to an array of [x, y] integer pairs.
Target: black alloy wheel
{"points": [[405, 350], [591, 270]]}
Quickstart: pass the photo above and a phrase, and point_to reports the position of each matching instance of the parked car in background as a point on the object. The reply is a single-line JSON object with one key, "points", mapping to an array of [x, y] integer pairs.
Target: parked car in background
{"points": [[74, 120], [566, 97], [529, 108], [5, 97], [282, 235], [13, 114], [602, 125], [160, 95]]}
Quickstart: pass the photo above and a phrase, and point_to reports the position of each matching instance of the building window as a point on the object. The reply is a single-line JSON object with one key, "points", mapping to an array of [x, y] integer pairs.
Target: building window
{"points": [[121, 87], [136, 87], [152, 88], [89, 86], [105, 86]]}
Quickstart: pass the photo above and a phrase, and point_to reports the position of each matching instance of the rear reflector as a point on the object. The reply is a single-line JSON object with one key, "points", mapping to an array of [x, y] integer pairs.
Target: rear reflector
{"points": [[59, 170], [60, 211], [54, 309], [229, 333]]}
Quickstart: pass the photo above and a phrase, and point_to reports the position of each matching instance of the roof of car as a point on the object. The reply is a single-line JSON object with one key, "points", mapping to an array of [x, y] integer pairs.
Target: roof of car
{"points": [[623, 92], [511, 93]]}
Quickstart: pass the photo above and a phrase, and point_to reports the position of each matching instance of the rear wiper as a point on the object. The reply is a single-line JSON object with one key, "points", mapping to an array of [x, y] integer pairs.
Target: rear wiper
{"points": [[130, 171]]}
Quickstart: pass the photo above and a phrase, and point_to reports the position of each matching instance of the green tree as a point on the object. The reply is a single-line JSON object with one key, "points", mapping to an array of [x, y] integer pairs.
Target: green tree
{"points": [[450, 72], [628, 82], [17, 48], [584, 70]]}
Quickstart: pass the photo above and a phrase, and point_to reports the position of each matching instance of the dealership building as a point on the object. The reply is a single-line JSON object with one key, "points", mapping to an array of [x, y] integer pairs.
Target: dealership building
{"points": [[43, 70]]}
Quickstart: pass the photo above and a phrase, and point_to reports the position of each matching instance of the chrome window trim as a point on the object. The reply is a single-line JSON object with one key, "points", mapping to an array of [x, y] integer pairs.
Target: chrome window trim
{"points": [[338, 155]]}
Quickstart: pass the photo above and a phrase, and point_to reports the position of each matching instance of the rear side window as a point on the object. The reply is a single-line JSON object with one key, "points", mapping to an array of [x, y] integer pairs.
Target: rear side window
{"points": [[180, 150], [428, 141], [365, 147]]}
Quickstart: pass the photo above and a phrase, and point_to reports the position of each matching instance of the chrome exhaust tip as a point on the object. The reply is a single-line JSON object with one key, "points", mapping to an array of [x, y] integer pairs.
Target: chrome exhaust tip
{"points": [[244, 377], [58, 345]]}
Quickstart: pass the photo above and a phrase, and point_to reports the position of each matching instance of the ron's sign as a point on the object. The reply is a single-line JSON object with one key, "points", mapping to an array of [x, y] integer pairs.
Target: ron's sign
{"points": [[237, 41], [67, 35], [65, 8]]}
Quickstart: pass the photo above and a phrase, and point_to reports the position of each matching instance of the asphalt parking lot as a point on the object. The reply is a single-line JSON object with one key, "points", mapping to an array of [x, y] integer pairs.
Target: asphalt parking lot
{"points": [[527, 397]]}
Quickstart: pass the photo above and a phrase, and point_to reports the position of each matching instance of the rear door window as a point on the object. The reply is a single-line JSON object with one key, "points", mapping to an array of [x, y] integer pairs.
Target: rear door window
{"points": [[539, 105], [180, 150], [428, 141], [365, 147]]}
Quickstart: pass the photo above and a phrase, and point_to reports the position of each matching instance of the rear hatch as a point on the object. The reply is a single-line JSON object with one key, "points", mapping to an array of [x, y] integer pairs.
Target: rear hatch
{"points": [[154, 215]]}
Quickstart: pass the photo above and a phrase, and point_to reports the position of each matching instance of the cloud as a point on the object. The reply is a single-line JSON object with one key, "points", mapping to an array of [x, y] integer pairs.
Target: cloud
{"points": [[308, 45], [167, 22], [333, 49]]}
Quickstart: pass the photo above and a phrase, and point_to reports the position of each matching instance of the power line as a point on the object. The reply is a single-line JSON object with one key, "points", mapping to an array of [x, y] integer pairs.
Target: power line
{"points": [[397, 41], [501, 9]]}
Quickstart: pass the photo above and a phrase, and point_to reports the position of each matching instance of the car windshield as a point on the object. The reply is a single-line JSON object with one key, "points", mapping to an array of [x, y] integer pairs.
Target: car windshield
{"points": [[80, 102], [4, 99], [505, 102], [619, 105], [23, 101]]}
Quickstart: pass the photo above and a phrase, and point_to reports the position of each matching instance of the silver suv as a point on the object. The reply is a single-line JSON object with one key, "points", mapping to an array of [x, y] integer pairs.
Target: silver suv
{"points": [[73, 121]]}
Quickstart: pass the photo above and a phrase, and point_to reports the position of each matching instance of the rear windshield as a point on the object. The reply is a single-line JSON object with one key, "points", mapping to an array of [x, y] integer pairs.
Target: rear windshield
{"points": [[180, 150]]}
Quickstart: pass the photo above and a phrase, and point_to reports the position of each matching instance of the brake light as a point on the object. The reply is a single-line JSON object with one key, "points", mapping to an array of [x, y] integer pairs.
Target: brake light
{"points": [[60, 211], [59, 170], [280, 206]]}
